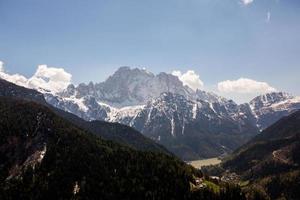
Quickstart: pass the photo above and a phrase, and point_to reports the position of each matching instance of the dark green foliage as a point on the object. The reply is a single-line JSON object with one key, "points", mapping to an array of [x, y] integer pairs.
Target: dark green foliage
{"points": [[125, 135], [227, 192], [271, 161], [287, 185], [101, 168]]}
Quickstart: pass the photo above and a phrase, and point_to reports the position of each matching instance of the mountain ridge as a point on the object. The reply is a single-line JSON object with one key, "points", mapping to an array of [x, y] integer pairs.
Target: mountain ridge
{"points": [[128, 96]]}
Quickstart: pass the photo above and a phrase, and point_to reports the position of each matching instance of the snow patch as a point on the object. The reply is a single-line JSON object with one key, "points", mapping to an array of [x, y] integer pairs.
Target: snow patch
{"points": [[195, 107], [79, 102], [172, 126], [128, 111], [42, 154], [76, 188]]}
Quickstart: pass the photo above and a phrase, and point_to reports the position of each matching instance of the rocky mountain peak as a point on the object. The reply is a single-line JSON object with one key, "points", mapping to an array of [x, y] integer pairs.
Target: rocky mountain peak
{"points": [[130, 87], [126, 75]]}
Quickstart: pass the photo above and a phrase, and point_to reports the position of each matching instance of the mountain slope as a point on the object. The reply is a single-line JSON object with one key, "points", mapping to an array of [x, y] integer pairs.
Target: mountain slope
{"points": [[191, 129], [8, 89], [115, 132], [272, 159], [43, 156], [282, 136]]}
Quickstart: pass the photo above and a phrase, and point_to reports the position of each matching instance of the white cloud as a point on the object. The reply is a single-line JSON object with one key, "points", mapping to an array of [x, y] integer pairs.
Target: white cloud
{"points": [[247, 2], [245, 86], [15, 78], [46, 78], [243, 89], [190, 78], [50, 78]]}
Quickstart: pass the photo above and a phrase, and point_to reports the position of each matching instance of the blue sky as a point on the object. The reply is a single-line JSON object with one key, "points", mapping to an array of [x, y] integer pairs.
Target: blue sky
{"points": [[218, 39]]}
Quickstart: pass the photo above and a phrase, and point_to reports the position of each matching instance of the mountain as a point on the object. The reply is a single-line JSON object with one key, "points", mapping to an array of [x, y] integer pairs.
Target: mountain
{"points": [[191, 124], [191, 129], [271, 107], [115, 132], [271, 160], [128, 87]]}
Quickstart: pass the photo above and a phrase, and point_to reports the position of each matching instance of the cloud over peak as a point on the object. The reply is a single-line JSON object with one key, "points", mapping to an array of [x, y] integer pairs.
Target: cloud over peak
{"points": [[189, 78], [46, 78], [244, 86], [50, 78]]}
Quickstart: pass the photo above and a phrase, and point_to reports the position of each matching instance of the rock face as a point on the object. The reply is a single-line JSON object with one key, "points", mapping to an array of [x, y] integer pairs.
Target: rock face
{"points": [[128, 87]]}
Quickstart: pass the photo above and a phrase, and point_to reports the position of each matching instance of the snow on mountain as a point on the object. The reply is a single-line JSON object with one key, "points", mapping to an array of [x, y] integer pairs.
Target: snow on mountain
{"points": [[162, 108], [271, 107], [177, 122], [129, 87], [130, 93], [190, 123], [85, 107], [209, 96], [125, 115], [269, 99]]}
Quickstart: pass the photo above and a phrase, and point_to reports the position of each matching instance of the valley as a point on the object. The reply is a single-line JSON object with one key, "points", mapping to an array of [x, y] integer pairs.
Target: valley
{"points": [[204, 162]]}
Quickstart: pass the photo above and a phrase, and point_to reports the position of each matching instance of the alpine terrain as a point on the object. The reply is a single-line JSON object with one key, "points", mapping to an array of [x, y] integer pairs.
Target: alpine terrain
{"points": [[191, 124]]}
